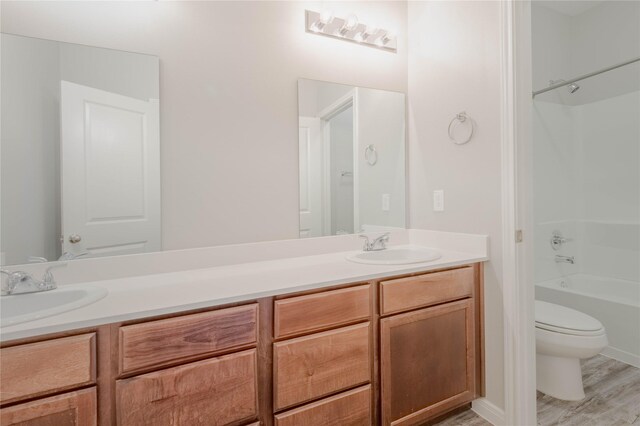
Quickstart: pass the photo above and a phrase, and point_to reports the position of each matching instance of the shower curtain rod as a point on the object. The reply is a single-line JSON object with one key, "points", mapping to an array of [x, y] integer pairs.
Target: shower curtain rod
{"points": [[582, 77]]}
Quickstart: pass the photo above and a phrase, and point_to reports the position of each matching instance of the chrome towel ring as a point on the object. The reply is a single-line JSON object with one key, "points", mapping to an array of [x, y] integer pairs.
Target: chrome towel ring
{"points": [[371, 155], [460, 118]]}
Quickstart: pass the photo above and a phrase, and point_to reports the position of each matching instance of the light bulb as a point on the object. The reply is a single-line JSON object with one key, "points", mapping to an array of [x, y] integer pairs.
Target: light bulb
{"points": [[358, 37], [371, 29], [350, 24], [326, 16], [387, 37]]}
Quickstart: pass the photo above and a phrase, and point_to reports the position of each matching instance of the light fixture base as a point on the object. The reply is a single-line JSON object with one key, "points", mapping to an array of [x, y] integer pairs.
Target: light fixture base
{"points": [[380, 39]]}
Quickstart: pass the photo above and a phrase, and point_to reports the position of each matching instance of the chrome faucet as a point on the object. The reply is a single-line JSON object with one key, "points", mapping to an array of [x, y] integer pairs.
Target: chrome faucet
{"points": [[565, 259], [379, 243], [20, 282]]}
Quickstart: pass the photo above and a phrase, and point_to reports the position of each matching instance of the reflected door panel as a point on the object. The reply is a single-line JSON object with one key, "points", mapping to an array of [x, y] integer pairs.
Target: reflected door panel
{"points": [[110, 172]]}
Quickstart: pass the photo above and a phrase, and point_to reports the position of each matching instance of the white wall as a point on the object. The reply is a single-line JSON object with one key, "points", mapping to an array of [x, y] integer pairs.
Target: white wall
{"points": [[129, 74], [229, 104], [381, 122], [454, 65], [30, 192]]}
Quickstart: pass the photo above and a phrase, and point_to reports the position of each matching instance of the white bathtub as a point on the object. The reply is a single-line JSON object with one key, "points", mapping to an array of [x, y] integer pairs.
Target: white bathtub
{"points": [[615, 303]]}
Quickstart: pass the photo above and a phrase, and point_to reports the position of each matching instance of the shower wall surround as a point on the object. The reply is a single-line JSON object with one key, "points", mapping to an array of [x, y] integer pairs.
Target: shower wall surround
{"points": [[587, 144]]}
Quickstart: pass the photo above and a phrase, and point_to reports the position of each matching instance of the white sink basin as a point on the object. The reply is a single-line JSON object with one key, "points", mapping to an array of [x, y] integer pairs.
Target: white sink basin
{"points": [[21, 308], [396, 256]]}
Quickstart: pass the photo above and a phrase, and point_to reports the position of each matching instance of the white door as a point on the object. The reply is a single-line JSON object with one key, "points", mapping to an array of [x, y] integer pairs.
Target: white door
{"points": [[311, 165], [110, 168]]}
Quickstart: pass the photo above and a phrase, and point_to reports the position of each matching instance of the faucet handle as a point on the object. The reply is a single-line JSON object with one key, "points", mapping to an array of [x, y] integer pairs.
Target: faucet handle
{"points": [[13, 279], [48, 279], [367, 243]]}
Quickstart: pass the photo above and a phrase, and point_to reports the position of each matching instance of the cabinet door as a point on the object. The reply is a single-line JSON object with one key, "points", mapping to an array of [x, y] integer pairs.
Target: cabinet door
{"points": [[69, 409], [217, 391], [427, 362]]}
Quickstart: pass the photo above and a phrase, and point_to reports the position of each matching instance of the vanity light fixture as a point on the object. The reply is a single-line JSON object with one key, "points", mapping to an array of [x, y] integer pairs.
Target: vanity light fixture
{"points": [[326, 16], [349, 29]]}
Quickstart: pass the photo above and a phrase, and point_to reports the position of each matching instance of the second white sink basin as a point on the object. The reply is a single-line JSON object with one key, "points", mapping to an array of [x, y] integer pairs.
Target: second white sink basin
{"points": [[19, 308], [396, 256]]}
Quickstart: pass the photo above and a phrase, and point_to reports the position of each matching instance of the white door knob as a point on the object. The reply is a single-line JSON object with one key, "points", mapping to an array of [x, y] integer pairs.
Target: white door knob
{"points": [[75, 238]]}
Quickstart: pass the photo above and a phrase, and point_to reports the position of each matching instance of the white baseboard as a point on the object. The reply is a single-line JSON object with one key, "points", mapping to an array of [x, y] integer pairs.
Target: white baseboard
{"points": [[488, 411], [622, 356]]}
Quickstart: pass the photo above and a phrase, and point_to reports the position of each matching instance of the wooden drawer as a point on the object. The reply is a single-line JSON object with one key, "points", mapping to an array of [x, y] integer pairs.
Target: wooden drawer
{"points": [[217, 391], [41, 368], [68, 409], [320, 311], [163, 342], [352, 408], [314, 366], [404, 294]]}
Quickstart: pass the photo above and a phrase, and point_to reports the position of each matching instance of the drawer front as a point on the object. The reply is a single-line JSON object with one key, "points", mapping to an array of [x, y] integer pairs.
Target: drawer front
{"points": [[217, 391], [404, 294], [68, 409], [320, 311], [42, 368], [163, 342], [351, 408], [315, 366]]}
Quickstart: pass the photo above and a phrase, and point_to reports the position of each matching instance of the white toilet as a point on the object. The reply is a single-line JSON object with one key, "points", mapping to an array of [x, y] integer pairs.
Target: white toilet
{"points": [[564, 336]]}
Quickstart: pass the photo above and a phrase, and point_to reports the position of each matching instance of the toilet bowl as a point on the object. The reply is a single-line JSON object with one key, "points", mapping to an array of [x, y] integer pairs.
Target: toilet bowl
{"points": [[564, 336]]}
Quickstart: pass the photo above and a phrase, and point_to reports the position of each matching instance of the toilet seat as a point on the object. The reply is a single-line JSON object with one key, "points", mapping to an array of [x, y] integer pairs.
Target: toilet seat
{"points": [[560, 319]]}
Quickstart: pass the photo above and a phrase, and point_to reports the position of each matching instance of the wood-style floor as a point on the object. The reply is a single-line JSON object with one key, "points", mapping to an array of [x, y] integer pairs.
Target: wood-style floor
{"points": [[612, 391]]}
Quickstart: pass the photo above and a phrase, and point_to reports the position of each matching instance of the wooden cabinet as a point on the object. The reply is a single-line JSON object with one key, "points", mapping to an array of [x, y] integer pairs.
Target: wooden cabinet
{"points": [[399, 351], [427, 362], [43, 368], [69, 409], [352, 408], [403, 294], [320, 364], [320, 311], [163, 342], [217, 391]]}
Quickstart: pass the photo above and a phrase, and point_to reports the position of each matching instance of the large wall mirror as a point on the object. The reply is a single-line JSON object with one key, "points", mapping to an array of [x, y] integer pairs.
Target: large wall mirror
{"points": [[80, 151], [80, 156], [352, 158]]}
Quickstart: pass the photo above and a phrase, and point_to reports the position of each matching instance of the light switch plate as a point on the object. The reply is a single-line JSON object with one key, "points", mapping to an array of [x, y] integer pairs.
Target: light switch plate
{"points": [[386, 200], [438, 200]]}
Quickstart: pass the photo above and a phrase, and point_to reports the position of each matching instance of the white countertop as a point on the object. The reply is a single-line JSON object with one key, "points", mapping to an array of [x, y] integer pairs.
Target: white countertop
{"points": [[156, 294]]}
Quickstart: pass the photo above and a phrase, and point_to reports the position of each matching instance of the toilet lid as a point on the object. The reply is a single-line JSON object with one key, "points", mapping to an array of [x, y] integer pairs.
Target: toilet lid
{"points": [[565, 320]]}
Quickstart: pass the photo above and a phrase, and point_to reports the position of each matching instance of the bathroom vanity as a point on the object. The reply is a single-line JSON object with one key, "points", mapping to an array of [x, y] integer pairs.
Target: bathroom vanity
{"points": [[399, 349]]}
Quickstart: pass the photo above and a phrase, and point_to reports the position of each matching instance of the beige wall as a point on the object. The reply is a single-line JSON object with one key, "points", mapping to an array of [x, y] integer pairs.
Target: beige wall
{"points": [[454, 65], [228, 87]]}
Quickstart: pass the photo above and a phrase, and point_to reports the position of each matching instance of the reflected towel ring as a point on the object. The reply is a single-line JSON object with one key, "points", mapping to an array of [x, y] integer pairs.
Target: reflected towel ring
{"points": [[460, 118], [371, 155]]}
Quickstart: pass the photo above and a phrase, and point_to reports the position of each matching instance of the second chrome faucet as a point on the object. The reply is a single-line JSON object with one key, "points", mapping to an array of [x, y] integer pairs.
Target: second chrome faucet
{"points": [[379, 243], [565, 259]]}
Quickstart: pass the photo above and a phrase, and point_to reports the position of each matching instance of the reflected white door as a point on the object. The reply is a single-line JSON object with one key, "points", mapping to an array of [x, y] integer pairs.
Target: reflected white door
{"points": [[110, 168], [311, 164]]}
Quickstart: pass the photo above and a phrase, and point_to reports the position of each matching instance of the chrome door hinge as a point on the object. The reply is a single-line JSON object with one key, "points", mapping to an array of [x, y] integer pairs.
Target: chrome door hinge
{"points": [[519, 236]]}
